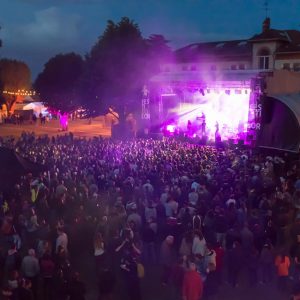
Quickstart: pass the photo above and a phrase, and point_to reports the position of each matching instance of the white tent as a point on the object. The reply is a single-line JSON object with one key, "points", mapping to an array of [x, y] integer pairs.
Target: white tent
{"points": [[37, 107]]}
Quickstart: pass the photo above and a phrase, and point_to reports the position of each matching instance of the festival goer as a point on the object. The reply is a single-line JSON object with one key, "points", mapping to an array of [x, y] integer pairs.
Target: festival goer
{"points": [[47, 268], [31, 268], [167, 258], [192, 288], [282, 264], [135, 193]]}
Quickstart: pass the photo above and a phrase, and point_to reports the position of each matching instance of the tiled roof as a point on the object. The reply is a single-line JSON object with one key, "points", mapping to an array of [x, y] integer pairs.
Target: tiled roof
{"points": [[294, 43], [271, 34], [224, 48], [239, 48]]}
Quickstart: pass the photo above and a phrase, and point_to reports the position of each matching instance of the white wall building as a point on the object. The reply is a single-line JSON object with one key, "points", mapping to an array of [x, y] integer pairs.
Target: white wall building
{"points": [[270, 50]]}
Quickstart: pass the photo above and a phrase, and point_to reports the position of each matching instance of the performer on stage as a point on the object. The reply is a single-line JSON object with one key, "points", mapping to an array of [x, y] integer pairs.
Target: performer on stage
{"points": [[203, 125], [217, 128], [217, 133], [189, 128]]}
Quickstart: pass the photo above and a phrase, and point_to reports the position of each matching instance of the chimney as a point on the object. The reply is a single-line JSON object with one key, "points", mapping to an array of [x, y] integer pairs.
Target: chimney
{"points": [[266, 24]]}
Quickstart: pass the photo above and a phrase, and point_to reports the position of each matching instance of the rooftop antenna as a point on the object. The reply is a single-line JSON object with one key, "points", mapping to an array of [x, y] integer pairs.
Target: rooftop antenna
{"points": [[266, 5]]}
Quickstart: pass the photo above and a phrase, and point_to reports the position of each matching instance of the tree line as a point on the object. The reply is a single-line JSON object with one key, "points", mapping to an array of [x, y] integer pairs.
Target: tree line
{"points": [[111, 75]]}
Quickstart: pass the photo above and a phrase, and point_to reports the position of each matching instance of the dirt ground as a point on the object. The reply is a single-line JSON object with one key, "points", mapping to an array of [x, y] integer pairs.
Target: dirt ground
{"points": [[80, 128]]}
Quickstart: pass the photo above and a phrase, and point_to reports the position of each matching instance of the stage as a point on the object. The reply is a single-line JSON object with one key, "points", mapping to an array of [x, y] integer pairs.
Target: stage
{"points": [[223, 109]]}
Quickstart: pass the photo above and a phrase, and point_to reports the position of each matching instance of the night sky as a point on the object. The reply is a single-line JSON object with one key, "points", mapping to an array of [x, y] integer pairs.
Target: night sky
{"points": [[35, 30]]}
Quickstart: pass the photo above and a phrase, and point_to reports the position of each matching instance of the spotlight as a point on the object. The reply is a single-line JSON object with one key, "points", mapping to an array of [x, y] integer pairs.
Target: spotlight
{"points": [[202, 92], [227, 92]]}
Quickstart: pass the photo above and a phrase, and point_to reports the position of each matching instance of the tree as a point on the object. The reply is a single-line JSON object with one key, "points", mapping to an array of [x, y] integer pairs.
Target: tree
{"points": [[159, 53], [116, 69], [14, 76], [57, 84]]}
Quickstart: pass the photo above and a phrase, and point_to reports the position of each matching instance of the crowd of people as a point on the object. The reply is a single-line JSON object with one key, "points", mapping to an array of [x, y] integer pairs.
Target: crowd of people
{"points": [[200, 216]]}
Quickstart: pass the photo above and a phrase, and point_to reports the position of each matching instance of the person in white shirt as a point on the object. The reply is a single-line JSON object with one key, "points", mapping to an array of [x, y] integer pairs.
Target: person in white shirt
{"points": [[62, 240], [171, 207], [199, 245], [30, 269], [193, 197], [164, 196], [195, 186], [148, 187]]}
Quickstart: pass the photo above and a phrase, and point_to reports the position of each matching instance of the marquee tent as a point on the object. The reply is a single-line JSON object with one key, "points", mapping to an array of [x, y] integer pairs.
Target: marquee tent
{"points": [[280, 128], [37, 107], [12, 166]]}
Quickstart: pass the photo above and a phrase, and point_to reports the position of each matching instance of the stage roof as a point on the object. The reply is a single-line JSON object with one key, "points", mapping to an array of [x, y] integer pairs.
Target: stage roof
{"points": [[292, 101], [280, 126], [205, 77]]}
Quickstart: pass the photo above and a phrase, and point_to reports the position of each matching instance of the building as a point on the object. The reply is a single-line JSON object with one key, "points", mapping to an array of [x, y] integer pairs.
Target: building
{"points": [[270, 50], [234, 78]]}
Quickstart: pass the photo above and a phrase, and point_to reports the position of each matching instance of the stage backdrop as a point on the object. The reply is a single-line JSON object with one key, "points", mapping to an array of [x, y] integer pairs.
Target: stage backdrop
{"points": [[280, 124]]}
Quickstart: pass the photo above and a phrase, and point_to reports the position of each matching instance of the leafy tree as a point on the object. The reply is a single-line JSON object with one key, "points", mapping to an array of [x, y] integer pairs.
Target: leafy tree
{"points": [[159, 53], [14, 75], [116, 69], [57, 84]]}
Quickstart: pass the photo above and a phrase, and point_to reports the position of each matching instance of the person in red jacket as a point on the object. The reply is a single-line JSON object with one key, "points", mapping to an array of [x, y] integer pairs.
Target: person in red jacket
{"points": [[192, 288]]}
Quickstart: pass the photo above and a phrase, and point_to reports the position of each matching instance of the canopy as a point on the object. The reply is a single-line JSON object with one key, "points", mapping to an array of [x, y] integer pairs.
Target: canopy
{"points": [[37, 107], [12, 166], [280, 128]]}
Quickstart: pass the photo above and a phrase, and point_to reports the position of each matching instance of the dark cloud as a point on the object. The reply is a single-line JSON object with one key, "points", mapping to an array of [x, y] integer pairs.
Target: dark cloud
{"points": [[51, 31], [35, 30]]}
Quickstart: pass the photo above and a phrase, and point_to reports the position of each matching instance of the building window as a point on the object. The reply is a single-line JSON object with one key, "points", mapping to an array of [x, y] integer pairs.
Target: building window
{"points": [[286, 66], [296, 67], [193, 68], [233, 67], [213, 68], [184, 68], [264, 59], [263, 62], [242, 67]]}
